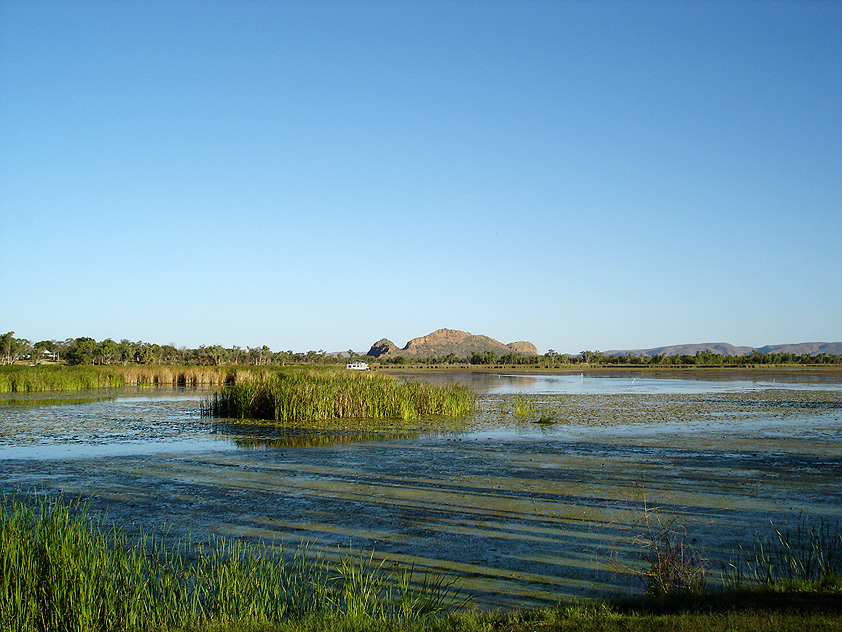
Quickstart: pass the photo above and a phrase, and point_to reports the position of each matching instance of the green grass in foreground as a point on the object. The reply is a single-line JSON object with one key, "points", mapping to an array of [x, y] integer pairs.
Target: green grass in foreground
{"points": [[754, 610], [748, 611], [323, 395], [66, 570]]}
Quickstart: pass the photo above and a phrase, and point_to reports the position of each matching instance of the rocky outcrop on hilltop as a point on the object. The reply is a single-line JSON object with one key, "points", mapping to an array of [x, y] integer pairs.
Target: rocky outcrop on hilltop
{"points": [[382, 347], [443, 342], [523, 347]]}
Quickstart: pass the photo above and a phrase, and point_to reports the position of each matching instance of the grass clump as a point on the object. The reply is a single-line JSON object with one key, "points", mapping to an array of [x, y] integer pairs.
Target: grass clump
{"points": [[808, 554], [325, 395], [64, 570], [526, 407], [673, 565], [670, 566]]}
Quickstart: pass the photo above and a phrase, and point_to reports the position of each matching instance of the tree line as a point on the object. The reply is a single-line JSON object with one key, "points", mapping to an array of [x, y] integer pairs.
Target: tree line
{"points": [[86, 350], [597, 358]]}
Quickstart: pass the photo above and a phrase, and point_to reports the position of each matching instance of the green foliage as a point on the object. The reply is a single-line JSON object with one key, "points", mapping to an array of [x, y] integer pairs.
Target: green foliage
{"points": [[811, 553], [26, 379], [63, 570], [13, 349], [323, 395], [527, 407]]}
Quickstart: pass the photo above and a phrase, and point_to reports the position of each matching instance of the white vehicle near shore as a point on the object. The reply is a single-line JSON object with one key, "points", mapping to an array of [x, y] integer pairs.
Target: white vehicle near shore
{"points": [[357, 366]]}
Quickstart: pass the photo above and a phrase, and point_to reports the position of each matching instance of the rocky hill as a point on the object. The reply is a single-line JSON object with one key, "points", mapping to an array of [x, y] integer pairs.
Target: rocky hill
{"points": [[443, 342]]}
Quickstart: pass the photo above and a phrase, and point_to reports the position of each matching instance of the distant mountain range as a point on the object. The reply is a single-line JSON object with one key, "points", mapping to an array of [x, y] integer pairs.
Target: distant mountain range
{"points": [[801, 348], [462, 344]]}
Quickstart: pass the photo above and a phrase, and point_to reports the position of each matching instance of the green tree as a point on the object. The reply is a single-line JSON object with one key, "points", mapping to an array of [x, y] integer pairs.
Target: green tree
{"points": [[168, 354], [40, 350], [6, 342], [593, 357], [106, 351], [125, 351], [81, 351]]}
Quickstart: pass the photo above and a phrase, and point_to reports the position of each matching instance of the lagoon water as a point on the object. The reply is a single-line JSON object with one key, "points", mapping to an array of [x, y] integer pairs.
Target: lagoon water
{"points": [[639, 382], [524, 509]]}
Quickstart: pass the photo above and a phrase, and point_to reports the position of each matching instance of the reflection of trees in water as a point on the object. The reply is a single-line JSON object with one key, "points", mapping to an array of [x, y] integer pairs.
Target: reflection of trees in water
{"points": [[250, 435], [52, 399]]}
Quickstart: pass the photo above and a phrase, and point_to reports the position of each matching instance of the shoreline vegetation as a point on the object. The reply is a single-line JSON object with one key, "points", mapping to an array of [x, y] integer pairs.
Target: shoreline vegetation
{"points": [[281, 394], [65, 569], [88, 351], [56, 377]]}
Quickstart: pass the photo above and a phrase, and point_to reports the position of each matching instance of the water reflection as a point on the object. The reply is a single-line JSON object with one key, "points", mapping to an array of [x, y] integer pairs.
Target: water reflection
{"points": [[51, 425], [11, 400], [249, 435], [84, 449]]}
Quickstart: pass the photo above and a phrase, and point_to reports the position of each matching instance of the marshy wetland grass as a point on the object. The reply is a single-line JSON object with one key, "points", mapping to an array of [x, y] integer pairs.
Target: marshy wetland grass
{"points": [[319, 396], [43, 378], [65, 569]]}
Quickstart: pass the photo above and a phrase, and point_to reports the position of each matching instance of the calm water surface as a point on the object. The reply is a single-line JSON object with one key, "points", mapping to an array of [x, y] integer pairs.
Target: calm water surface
{"points": [[639, 382]]}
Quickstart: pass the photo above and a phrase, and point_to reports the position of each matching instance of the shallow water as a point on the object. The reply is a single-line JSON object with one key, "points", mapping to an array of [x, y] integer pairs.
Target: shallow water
{"points": [[608, 381], [523, 512]]}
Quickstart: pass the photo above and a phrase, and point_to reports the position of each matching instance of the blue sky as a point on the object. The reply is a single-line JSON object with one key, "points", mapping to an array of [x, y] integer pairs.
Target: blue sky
{"points": [[318, 175]]}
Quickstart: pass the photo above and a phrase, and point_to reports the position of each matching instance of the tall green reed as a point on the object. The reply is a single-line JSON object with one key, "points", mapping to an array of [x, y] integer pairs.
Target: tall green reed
{"points": [[29, 379], [64, 569], [325, 395], [808, 553], [24, 379]]}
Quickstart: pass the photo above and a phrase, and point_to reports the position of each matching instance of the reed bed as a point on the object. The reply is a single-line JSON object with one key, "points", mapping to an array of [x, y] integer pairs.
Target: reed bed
{"points": [[30, 379], [24, 379], [65, 570], [326, 395]]}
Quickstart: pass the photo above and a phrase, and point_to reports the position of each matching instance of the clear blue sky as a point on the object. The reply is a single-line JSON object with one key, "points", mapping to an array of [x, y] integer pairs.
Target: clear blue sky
{"points": [[318, 175]]}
